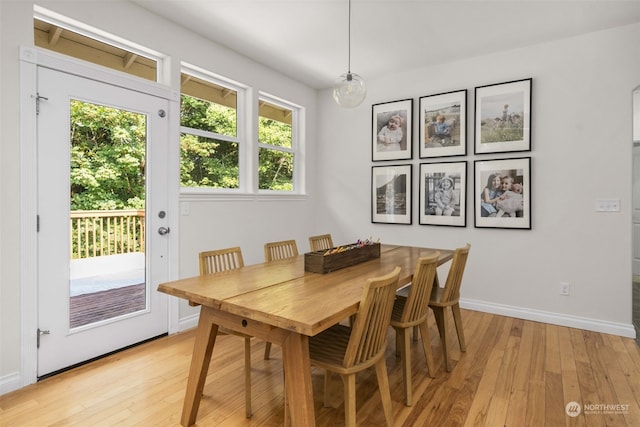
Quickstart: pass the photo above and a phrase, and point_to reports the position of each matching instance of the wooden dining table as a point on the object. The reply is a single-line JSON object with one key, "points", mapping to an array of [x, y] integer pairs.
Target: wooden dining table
{"points": [[281, 303]]}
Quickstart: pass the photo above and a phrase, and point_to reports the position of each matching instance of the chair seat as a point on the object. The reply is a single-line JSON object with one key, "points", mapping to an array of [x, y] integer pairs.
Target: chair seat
{"points": [[329, 346]]}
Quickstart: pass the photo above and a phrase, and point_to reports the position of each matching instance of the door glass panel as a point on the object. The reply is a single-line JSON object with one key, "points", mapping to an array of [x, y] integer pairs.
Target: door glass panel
{"points": [[107, 213]]}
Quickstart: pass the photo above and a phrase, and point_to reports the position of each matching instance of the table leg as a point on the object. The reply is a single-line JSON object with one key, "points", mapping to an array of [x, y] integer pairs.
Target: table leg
{"points": [[297, 368], [202, 350]]}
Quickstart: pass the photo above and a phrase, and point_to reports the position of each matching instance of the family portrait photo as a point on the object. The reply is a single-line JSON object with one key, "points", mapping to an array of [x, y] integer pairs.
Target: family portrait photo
{"points": [[503, 117], [443, 124], [391, 194], [503, 193], [443, 194], [391, 132]]}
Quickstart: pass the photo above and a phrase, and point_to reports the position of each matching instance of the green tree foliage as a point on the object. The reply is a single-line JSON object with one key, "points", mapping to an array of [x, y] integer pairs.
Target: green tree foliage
{"points": [[208, 162], [275, 170], [108, 153], [107, 158]]}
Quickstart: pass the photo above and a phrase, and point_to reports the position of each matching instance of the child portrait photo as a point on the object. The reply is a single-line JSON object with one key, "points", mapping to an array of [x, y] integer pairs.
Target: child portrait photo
{"points": [[503, 193], [503, 117], [443, 193], [443, 124], [391, 132]]}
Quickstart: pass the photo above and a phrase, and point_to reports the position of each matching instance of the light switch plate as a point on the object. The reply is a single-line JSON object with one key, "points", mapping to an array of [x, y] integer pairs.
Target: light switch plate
{"points": [[608, 205]]}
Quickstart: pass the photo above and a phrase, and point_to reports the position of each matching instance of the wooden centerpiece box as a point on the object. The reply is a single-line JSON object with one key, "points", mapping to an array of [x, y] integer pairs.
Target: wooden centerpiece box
{"points": [[333, 259]]}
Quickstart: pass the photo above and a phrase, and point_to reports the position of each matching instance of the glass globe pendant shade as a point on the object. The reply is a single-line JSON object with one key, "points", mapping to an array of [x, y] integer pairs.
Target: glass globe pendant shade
{"points": [[349, 90]]}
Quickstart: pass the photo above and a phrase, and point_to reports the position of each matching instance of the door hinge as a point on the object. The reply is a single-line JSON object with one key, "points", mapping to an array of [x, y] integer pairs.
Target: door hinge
{"points": [[38, 98], [40, 333], [37, 223]]}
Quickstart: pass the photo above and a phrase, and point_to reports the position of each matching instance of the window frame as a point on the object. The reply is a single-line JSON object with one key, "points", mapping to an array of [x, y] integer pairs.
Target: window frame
{"points": [[241, 131], [247, 122], [296, 149]]}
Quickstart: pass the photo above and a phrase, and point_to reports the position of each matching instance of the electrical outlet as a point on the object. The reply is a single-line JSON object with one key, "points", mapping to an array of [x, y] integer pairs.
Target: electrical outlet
{"points": [[564, 288]]}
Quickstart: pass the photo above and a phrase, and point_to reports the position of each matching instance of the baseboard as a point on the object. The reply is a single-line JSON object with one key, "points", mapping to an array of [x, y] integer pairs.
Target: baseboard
{"points": [[9, 383], [188, 322], [613, 328]]}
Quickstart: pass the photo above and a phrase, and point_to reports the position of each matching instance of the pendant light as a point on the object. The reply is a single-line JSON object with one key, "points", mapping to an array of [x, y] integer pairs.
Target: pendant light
{"points": [[349, 90]]}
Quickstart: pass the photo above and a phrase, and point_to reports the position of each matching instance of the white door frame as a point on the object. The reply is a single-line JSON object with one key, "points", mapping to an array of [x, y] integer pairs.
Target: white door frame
{"points": [[30, 59]]}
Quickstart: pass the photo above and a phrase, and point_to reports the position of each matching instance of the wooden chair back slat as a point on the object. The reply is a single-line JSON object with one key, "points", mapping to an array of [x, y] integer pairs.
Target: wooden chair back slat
{"points": [[416, 307], [369, 334], [320, 242], [274, 251], [220, 260], [451, 290]]}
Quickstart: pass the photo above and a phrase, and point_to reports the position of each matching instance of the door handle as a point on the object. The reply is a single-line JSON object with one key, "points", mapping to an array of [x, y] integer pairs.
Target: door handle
{"points": [[40, 333], [163, 230]]}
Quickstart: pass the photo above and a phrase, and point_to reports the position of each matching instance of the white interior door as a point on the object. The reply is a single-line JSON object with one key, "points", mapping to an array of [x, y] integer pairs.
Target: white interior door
{"points": [[63, 343]]}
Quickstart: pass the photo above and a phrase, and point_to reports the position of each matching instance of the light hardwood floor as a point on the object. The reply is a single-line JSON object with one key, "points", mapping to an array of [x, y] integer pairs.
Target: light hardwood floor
{"points": [[515, 373]]}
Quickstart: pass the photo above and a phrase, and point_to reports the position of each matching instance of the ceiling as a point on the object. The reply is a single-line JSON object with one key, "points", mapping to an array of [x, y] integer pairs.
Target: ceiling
{"points": [[308, 39]]}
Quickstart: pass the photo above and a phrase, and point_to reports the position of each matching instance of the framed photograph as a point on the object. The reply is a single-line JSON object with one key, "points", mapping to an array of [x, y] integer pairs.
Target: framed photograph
{"points": [[391, 132], [443, 124], [391, 194], [503, 117], [443, 193], [503, 193]]}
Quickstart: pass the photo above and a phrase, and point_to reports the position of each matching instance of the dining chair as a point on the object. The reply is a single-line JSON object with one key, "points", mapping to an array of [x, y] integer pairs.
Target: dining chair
{"points": [[274, 251], [216, 261], [320, 242], [347, 351], [449, 296], [412, 312]]}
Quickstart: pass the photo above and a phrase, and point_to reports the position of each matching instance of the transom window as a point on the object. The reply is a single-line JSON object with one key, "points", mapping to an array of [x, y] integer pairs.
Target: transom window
{"points": [[65, 38]]}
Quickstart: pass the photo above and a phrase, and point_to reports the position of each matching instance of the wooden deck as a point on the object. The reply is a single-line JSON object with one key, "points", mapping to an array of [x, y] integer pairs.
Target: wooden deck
{"points": [[94, 307]]}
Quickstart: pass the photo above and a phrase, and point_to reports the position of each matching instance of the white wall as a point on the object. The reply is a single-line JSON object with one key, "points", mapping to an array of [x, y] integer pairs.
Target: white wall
{"points": [[210, 224], [581, 151]]}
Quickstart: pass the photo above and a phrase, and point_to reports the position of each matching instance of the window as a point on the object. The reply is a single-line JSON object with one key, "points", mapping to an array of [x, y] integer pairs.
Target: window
{"points": [[75, 40], [214, 139], [209, 134], [276, 146]]}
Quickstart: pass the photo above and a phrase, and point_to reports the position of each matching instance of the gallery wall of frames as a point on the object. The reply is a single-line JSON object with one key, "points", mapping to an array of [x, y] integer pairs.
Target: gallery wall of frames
{"points": [[500, 184]]}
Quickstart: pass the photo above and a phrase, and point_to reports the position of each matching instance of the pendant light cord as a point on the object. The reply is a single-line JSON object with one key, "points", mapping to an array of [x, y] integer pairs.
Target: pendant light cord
{"points": [[349, 38]]}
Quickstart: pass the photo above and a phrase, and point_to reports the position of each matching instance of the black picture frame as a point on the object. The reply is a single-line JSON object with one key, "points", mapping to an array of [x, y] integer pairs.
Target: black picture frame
{"points": [[503, 117], [391, 194], [392, 142], [443, 194], [443, 124], [500, 207]]}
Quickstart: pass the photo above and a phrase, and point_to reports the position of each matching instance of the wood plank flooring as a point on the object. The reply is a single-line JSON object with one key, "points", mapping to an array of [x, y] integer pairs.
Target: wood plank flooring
{"points": [[89, 308], [514, 373]]}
